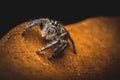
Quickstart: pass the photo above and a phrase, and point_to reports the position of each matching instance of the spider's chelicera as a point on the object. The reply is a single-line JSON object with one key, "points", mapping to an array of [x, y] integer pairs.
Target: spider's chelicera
{"points": [[55, 33]]}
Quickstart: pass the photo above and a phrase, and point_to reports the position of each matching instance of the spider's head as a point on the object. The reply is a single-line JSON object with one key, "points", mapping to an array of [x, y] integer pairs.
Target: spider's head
{"points": [[48, 30]]}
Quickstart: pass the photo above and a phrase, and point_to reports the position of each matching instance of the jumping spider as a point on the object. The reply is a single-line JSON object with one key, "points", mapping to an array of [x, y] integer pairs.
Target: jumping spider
{"points": [[54, 32]]}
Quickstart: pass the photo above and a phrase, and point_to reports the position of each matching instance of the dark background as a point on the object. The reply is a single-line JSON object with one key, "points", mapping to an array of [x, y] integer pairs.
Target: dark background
{"points": [[15, 12]]}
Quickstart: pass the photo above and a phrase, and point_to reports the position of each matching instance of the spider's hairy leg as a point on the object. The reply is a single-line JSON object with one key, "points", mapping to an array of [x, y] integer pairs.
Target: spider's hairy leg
{"points": [[33, 23], [73, 44], [47, 47], [28, 26], [67, 34], [59, 50], [63, 34]]}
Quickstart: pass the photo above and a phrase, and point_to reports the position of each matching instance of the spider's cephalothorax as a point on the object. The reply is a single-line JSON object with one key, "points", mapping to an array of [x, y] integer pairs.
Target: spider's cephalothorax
{"points": [[54, 32]]}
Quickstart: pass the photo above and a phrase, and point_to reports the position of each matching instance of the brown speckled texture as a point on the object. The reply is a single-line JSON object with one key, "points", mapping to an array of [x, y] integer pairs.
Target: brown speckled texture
{"points": [[97, 42]]}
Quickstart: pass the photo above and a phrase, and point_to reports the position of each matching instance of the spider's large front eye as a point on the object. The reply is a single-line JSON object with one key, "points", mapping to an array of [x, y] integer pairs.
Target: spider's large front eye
{"points": [[52, 31]]}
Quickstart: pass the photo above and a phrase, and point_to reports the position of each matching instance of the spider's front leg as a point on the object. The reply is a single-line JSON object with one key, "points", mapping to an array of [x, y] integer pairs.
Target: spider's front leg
{"points": [[47, 47], [73, 44], [34, 23], [62, 45], [30, 25]]}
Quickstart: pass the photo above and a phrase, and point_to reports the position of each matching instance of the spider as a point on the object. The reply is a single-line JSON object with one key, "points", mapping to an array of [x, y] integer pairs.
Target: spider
{"points": [[54, 32]]}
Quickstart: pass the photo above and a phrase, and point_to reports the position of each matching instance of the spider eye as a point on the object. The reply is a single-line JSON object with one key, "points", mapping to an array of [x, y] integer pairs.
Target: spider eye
{"points": [[52, 31], [53, 23]]}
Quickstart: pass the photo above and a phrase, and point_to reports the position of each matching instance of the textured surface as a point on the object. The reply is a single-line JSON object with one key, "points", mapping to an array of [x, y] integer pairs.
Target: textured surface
{"points": [[97, 58]]}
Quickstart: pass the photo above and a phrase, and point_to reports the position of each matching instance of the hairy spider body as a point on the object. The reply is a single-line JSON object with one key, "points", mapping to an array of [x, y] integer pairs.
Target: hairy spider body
{"points": [[54, 32]]}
